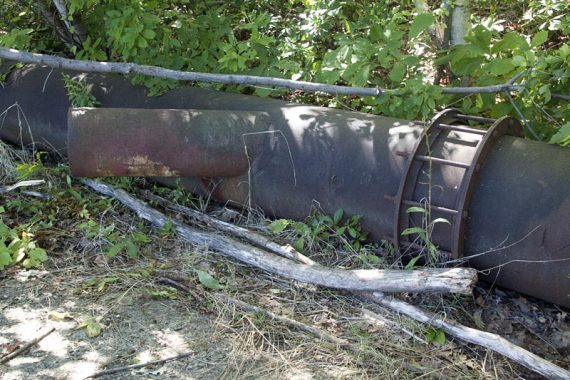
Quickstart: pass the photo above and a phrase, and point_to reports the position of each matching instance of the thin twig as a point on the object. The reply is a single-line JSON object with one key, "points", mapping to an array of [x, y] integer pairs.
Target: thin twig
{"points": [[560, 96], [25, 347], [523, 118], [159, 72], [113, 371]]}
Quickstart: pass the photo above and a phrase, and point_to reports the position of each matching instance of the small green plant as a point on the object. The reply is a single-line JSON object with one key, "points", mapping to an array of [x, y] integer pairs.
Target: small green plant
{"points": [[208, 281], [322, 231], [79, 92], [433, 335], [19, 248], [424, 233]]}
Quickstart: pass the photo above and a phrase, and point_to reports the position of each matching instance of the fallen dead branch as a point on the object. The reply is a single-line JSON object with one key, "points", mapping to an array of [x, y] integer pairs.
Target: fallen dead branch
{"points": [[35, 182], [25, 347], [455, 280], [259, 240], [482, 338], [116, 370]]}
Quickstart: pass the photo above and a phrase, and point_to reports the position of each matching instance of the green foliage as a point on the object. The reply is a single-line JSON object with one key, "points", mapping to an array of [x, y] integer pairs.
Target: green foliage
{"points": [[19, 248], [356, 43], [326, 232], [79, 92], [208, 281], [92, 327], [433, 335]]}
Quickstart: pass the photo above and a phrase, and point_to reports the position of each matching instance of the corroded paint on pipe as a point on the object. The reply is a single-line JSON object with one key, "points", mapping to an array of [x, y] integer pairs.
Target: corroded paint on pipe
{"points": [[139, 142], [331, 159]]}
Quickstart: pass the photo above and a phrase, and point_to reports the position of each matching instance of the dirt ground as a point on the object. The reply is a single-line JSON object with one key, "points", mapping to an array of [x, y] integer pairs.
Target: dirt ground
{"points": [[111, 312]]}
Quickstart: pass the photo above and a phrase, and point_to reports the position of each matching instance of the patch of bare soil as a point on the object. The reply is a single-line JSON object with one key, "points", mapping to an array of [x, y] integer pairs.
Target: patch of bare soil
{"points": [[111, 311]]}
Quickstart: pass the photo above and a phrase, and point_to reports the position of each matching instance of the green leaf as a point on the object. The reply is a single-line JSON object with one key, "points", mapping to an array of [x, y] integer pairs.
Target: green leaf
{"points": [[440, 337], [416, 209], [352, 232], [511, 41], [92, 327], [148, 34], [422, 22], [562, 136], [338, 215], [500, 66], [397, 73], [539, 38], [375, 33], [278, 225], [412, 263], [412, 230], [115, 249], [440, 220], [5, 257], [300, 244], [207, 280], [132, 250]]}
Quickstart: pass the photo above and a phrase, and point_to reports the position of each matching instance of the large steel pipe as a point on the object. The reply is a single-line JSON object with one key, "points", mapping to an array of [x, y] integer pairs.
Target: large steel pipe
{"points": [[173, 143], [506, 198]]}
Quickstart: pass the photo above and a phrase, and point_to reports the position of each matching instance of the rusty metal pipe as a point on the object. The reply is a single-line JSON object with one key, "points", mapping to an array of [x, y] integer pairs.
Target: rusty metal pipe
{"points": [[169, 143], [511, 195]]}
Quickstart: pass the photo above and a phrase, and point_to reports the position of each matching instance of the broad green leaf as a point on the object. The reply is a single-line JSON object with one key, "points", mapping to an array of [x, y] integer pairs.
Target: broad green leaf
{"points": [[480, 37], [115, 249], [544, 90], [300, 244], [539, 38], [92, 327], [500, 66], [510, 42], [5, 257], [397, 73], [207, 280], [562, 136], [421, 23], [352, 232], [148, 34], [338, 215], [375, 33], [132, 250], [440, 337], [278, 225]]}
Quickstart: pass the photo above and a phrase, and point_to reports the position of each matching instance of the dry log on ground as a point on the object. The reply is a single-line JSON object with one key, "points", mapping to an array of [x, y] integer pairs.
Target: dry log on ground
{"points": [[455, 280], [482, 338], [259, 240]]}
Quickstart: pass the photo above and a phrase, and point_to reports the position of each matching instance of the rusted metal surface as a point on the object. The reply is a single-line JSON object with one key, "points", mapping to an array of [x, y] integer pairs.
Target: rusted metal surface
{"points": [[516, 225], [171, 143]]}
